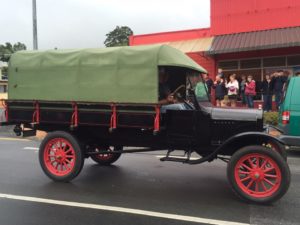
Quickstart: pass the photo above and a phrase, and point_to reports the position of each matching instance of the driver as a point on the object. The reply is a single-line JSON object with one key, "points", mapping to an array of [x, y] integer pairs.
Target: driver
{"points": [[165, 96]]}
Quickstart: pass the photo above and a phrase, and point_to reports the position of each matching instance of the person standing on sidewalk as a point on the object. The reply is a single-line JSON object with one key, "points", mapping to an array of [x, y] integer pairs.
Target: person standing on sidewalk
{"points": [[267, 91], [232, 89], [250, 91], [208, 82], [279, 79], [220, 90], [242, 89], [220, 73]]}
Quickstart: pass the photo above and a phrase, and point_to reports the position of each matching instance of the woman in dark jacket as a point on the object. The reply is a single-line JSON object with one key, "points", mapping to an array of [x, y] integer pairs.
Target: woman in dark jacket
{"points": [[267, 91], [220, 90], [242, 89]]}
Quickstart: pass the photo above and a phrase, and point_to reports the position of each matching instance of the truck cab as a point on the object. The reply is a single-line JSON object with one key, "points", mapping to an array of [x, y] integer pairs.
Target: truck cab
{"points": [[289, 113]]}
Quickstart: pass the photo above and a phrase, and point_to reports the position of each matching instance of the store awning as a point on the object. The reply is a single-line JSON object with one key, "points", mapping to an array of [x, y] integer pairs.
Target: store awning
{"points": [[194, 45], [259, 40]]}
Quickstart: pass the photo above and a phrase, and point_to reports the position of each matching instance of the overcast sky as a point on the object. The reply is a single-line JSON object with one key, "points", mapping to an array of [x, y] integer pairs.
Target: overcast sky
{"points": [[84, 23]]}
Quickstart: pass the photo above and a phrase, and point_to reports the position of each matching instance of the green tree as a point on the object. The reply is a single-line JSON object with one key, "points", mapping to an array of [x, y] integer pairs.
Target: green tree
{"points": [[7, 49], [19, 46], [118, 37]]}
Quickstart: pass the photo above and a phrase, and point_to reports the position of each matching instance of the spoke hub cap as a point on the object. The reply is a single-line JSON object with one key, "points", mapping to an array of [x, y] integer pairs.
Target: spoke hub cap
{"points": [[60, 156], [257, 175]]}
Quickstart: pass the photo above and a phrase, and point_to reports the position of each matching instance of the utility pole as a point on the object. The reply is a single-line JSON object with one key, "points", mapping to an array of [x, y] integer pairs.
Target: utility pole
{"points": [[34, 23]]}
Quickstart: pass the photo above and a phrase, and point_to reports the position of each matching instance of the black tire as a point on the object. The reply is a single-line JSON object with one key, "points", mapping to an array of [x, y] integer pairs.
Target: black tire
{"points": [[109, 160], [278, 147], [265, 196], [76, 161]]}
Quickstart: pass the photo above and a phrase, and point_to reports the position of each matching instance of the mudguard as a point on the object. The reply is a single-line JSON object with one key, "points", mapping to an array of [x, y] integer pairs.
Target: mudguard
{"points": [[236, 142], [250, 138]]}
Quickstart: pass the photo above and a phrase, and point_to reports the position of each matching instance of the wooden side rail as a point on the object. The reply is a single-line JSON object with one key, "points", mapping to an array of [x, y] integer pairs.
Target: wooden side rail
{"points": [[113, 119], [36, 113], [74, 118], [157, 119]]}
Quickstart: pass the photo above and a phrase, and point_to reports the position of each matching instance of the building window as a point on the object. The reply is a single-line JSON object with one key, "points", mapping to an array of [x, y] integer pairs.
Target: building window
{"points": [[274, 62], [259, 67], [250, 63], [229, 65], [293, 60]]}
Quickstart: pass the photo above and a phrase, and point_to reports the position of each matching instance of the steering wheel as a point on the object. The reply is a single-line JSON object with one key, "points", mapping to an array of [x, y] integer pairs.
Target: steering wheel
{"points": [[179, 93]]}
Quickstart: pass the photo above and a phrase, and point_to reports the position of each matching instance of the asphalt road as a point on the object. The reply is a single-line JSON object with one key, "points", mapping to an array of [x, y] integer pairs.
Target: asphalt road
{"points": [[135, 182]]}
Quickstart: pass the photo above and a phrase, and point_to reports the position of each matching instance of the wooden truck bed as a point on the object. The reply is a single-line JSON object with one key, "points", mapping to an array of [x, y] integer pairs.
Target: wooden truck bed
{"points": [[75, 114]]}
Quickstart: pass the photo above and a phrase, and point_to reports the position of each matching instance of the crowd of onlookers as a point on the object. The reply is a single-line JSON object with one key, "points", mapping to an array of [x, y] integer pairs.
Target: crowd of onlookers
{"points": [[245, 89]]}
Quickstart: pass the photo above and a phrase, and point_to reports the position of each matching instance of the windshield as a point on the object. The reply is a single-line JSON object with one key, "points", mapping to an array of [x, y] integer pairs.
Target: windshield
{"points": [[198, 86]]}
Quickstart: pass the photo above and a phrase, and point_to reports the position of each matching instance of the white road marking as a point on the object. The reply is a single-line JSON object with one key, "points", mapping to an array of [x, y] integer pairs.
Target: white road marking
{"points": [[12, 139], [177, 157], [31, 148], [120, 209]]}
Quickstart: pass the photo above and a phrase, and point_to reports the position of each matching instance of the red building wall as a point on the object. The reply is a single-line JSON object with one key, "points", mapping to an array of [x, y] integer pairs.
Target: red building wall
{"points": [[235, 16], [206, 62], [169, 36]]}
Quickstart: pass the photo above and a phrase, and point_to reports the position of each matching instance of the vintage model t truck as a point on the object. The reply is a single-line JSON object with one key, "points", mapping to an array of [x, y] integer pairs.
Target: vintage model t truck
{"points": [[94, 102]]}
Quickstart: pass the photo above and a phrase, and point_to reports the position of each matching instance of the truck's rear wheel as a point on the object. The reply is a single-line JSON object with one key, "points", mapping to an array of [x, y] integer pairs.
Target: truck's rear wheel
{"points": [[106, 159], [258, 175], [60, 156]]}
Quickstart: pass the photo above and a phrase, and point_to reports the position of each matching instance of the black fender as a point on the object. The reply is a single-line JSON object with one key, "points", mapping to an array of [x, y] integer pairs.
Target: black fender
{"points": [[238, 141], [234, 143]]}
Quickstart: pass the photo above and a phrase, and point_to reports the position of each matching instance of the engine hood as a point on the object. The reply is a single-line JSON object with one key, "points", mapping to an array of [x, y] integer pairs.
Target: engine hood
{"points": [[236, 114]]}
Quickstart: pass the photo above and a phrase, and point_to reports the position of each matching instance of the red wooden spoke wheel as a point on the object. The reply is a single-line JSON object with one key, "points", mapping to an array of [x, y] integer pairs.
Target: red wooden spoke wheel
{"points": [[60, 156], [258, 174], [108, 158], [104, 157]]}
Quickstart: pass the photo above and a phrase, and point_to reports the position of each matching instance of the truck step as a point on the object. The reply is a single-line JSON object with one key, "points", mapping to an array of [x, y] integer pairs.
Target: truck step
{"points": [[174, 159]]}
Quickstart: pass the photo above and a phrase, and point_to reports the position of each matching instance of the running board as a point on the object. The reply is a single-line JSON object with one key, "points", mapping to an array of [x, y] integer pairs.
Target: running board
{"points": [[174, 159], [208, 158], [188, 159], [169, 158]]}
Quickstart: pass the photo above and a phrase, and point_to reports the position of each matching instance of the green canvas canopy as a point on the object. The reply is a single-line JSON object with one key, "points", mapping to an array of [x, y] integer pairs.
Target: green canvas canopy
{"points": [[119, 74]]}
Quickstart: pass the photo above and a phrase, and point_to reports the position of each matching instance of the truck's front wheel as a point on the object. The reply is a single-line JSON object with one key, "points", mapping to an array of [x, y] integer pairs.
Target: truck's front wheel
{"points": [[258, 174], [60, 156]]}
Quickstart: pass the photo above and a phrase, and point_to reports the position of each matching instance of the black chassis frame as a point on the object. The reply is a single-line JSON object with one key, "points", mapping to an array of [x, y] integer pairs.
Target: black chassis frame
{"points": [[139, 125]]}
